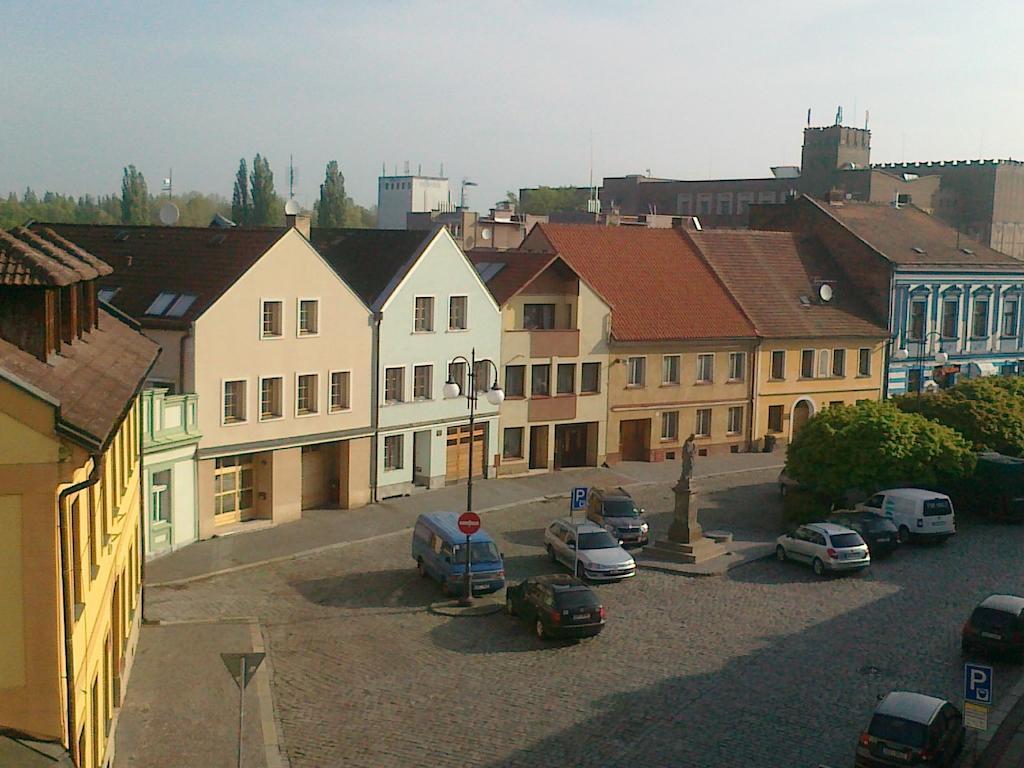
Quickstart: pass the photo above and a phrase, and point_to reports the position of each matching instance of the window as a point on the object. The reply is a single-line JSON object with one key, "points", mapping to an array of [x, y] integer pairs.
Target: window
{"points": [[422, 380], [160, 497], [737, 366], [835, 403], [1009, 317], [703, 426], [234, 401], [864, 361], [538, 316], [393, 452], [590, 378], [566, 382], [950, 307], [170, 305], [914, 380], [515, 380], [779, 364], [271, 398], [823, 363], [774, 418], [744, 201], [341, 391], [724, 204], [272, 314], [457, 373], [735, 425], [670, 425], [807, 364], [635, 371], [457, 306], [838, 362], [670, 369], [540, 380], [232, 487], [980, 325], [684, 205], [394, 385], [705, 368], [423, 315], [917, 313], [306, 394], [766, 197], [512, 443], [703, 203], [309, 317], [482, 376]]}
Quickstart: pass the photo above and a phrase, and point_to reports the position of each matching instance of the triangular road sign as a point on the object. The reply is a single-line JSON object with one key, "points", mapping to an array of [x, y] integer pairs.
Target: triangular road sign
{"points": [[233, 661]]}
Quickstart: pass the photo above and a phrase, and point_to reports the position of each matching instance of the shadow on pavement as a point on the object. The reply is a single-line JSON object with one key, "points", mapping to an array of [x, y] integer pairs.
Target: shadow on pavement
{"points": [[497, 633], [527, 537], [397, 588]]}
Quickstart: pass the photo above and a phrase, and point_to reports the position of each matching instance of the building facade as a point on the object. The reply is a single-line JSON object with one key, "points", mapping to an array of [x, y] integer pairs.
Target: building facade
{"points": [[554, 362], [432, 313], [70, 504], [398, 196]]}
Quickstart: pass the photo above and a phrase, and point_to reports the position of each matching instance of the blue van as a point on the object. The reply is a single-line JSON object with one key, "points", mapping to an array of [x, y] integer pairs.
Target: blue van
{"points": [[438, 547]]}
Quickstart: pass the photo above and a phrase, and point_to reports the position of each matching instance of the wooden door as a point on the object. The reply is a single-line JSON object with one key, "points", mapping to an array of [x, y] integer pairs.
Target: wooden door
{"points": [[539, 447], [314, 477], [635, 439], [457, 458], [570, 445]]}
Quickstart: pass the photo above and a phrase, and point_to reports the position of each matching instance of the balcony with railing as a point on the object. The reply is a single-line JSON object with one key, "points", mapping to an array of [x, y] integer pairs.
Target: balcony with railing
{"points": [[168, 420]]}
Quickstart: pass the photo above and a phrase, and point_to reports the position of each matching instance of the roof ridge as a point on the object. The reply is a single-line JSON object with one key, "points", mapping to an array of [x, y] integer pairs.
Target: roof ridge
{"points": [[70, 260], [43, 268]]}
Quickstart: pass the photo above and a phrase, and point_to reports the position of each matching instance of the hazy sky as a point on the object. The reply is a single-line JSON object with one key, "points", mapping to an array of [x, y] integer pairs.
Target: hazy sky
{"points": [[507, 94]]}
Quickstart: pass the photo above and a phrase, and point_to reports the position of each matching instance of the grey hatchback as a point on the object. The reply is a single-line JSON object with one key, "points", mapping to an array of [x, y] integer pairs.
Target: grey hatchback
{"points": [[910, 728]]}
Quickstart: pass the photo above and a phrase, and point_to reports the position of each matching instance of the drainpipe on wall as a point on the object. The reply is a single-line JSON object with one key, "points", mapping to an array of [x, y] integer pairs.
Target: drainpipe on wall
{"points": [[374, 399], [69, 611], [754, 410], [142, 513], [181, 359]]}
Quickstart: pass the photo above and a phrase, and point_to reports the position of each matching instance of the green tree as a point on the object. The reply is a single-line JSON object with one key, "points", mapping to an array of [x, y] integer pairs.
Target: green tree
{"points": [[545, 200], [134, 197], [988, 412], [873, 445], [332, 208], [265, 203], [241, 204]]}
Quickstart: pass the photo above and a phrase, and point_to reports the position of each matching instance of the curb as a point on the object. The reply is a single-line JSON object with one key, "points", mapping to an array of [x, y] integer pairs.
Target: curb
{"points": [[408, 529]]}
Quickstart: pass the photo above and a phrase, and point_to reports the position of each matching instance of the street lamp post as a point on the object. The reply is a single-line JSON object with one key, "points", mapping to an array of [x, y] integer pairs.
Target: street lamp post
{"points": [[940, 357], [494, 396]]}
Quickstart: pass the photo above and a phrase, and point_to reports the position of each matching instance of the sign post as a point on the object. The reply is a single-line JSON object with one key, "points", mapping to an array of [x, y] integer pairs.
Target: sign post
{"points": [[577, 502], [978, 696], [242, 667], [469, 523]]}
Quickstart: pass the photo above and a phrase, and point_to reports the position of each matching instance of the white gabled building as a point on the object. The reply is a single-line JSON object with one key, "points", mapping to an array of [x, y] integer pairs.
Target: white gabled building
{"points": [[431, 308]]}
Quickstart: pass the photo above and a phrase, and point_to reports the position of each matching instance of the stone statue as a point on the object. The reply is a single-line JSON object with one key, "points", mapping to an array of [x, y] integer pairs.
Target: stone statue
{"points": [[689, 452]]}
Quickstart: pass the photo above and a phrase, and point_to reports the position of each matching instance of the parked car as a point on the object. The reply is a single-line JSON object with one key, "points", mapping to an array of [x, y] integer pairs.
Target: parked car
{"points": [[996, 625], [917, 513], [558, 605], [878, 532], [588, 550], [786, 483], [910, 728], [826, 546], [438, 547], [616, 512]]}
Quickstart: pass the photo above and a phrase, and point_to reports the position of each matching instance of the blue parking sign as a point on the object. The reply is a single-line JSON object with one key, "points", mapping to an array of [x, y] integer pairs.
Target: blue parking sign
{"points": [[579, 499], [978, 684]]}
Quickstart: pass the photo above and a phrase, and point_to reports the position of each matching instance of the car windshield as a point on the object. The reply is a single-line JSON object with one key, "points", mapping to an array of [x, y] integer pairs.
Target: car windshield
{"points": [[937, 508], [989, 618], [876, 524], [479, 552], [841, 540], [897, 729], [599, 540], [620, 508], [576, 598]]}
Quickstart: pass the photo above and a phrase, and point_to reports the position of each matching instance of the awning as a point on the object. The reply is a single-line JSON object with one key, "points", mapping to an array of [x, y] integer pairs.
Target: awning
{"points": [[982, 369]]}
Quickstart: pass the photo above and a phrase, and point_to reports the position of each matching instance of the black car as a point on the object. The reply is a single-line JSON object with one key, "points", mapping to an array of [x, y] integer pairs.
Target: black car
{"points": [[617, 512], [558, 605], [879, 533], [910, 729], [996, 625]]}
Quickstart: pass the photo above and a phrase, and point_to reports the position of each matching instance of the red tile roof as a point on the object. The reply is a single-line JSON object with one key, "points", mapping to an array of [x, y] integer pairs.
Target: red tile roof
{"points": [[658, 285], [518, 269], [93, 380], [149, 260], [43, 258], [773, 276]]}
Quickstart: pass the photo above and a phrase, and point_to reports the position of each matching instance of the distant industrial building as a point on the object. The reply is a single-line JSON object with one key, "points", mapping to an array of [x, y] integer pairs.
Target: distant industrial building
{"points": [[398, 196]]}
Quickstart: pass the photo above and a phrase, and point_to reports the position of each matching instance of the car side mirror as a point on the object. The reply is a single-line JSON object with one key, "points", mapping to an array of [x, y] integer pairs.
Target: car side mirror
{"points": [[571, 545], [621, 542]]}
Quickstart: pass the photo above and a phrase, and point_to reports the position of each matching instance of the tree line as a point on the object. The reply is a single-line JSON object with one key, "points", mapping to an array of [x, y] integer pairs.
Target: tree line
{"points": [[254, 203]]}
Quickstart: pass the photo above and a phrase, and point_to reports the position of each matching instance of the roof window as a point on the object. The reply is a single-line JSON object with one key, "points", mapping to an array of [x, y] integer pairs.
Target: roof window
{"points": [[121, 235], [106, 294], [488, 269], [170, 304], [918, 249]]}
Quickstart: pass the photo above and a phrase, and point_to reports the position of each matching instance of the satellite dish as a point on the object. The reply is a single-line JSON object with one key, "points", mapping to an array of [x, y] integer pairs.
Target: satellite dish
{"points": [[825, 292], [486, 233], [291, 208], [169, 214]]}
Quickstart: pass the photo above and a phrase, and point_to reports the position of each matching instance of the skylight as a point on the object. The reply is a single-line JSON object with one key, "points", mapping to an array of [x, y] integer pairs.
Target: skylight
{"points": [[181, 305], [488, 269], [918, 249], [170, 304], [106, 294]]}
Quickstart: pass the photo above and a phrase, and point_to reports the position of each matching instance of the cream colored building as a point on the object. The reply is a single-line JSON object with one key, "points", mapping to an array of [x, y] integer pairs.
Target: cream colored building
{"points": [[554, 362]]}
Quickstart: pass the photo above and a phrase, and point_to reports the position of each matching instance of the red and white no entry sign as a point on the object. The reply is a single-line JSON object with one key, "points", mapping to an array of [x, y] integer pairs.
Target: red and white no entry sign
{"points": [[469, 523]]}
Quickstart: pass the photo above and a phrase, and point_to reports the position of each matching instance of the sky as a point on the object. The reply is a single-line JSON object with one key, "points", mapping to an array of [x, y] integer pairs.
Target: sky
{"points": [[506, 94]]}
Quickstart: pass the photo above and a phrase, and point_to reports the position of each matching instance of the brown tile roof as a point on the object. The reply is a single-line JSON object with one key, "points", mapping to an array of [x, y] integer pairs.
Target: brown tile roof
{"points": [[896, 232], [93, 379], [372, 261], [517, 269], [150, 260], [659, 287], [42, 258], [772, 275]]}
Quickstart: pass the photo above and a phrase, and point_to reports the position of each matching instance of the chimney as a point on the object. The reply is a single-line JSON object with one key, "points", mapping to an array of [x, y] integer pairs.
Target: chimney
{"points": [[299, 221]]}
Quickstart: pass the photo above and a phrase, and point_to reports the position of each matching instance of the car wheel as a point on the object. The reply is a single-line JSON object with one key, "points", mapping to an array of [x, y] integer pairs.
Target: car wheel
{"points": [[580, 573], [421, 569], [780, 553], [551, 553], [819, 567], [541, 633], [509, 608], [904, 534]]}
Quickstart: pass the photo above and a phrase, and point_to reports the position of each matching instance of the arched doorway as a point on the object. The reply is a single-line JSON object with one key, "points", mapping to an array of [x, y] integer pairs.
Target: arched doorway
{"points": [[802, 411]]}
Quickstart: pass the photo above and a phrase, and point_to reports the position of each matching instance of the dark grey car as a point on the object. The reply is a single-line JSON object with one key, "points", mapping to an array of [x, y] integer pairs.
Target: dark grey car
{"points": [[617, 512]]}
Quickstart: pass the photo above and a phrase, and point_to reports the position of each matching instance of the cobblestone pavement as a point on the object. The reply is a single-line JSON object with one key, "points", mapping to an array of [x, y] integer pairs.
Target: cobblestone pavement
{"points": [[767, 666]]}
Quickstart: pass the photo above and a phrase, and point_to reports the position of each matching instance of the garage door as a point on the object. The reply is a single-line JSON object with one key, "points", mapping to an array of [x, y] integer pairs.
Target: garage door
{"points": [[458, 452], [314, 476]]}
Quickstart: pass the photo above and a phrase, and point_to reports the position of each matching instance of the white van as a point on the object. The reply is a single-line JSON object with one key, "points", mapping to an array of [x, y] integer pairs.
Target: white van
{"points": [[916, 513]]}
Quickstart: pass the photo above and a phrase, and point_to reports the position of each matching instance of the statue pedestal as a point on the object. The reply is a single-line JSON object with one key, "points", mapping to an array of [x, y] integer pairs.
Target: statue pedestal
{"points": [[686, 542]]}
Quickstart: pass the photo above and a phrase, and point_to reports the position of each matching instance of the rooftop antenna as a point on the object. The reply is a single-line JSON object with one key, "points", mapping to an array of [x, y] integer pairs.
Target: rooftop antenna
{"points": [[808, 117], [291, 177], [383, 169], [867, 114], [839, 115], [406, 167], [441, 174], [168, 186], [419, 169]]}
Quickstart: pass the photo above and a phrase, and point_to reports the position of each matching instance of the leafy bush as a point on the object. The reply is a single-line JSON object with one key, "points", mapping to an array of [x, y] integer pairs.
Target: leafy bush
{"points": [[802, 506], [873, 445]]}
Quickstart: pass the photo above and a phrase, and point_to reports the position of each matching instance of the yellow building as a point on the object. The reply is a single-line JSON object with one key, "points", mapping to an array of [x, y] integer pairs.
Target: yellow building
{"points": [[820, 344], [70, 554]]}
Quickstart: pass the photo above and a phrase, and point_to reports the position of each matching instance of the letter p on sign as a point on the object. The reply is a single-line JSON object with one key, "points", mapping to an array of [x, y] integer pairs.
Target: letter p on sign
{"points": [[978, 683]]}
